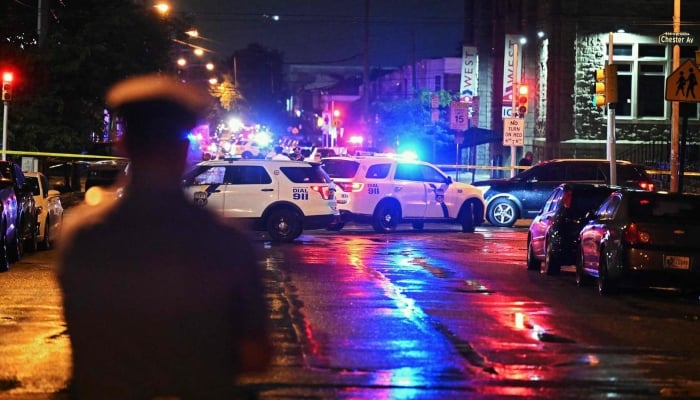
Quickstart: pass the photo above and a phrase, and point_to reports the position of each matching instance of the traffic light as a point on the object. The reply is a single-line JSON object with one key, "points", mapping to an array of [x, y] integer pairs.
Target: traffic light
{"points": [[336, 118], [605, 86], [522, 100], [6, 86]]}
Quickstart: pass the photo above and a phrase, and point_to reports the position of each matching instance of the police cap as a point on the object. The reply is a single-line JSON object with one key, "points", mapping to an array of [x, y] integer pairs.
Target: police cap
{"points": [[157, 107]]}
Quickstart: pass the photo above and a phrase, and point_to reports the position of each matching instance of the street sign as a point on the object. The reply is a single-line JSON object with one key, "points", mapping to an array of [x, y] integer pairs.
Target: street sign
{"points": [[679, 38], [682, 84], [513, 132], [459, 116]]}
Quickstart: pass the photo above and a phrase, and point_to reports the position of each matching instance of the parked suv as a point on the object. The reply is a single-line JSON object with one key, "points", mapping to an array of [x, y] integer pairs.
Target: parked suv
{"points": [[283, 197], [386, 191], [523, 196]]}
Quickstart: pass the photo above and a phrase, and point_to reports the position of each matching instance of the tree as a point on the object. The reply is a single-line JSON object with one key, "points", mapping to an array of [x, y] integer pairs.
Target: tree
{"points": [[407, 123], [59, 98], [261, 82]]}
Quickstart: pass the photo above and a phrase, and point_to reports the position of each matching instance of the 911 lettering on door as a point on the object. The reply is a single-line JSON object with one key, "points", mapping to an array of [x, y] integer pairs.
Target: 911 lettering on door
{"points": [[300, 194]]}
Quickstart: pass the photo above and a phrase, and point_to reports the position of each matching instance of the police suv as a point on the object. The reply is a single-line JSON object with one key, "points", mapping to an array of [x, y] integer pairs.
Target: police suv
{"points": [[282, 197], [387, 190]]}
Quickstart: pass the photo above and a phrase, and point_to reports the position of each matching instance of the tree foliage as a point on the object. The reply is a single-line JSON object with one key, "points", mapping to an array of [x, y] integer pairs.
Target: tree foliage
{"points": [[407, 122], [260, 76], [90, 44]]}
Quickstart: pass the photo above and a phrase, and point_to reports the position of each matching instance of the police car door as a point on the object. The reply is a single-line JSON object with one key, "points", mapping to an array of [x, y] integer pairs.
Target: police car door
{"points": [[205, 188], [410, 189], [439, 197], [248, 190]]}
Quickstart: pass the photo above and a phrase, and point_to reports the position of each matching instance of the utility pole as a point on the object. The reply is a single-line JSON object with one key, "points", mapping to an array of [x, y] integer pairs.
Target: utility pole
{"points": [[675, 106], [365, 78], [514, 104]]}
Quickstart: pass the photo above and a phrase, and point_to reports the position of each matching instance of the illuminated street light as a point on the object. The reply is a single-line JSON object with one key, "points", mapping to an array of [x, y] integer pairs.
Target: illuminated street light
{"points": [[162, 8], [198, 51], [181, 62]]}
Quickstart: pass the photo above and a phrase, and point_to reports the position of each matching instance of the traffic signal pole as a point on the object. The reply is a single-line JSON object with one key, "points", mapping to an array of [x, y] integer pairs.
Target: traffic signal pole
{"points": [[611, 119], [4, 130]]}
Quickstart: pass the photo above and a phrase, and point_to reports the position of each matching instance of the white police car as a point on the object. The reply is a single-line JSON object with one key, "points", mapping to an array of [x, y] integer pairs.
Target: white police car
{"points": [[388, 190], [278, 196]]}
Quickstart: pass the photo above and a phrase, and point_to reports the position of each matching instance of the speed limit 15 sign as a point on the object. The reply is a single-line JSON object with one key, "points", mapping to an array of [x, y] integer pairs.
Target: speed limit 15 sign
{"points": [[459, 116]]}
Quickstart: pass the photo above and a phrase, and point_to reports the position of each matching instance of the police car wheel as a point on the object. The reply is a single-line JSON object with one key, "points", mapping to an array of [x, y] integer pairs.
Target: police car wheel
{"points": [[284, 225], [386, 218]]}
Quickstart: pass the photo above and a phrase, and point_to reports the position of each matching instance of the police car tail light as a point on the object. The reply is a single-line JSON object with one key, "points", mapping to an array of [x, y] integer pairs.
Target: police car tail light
{"points": [[351, 186], [325, 191]]}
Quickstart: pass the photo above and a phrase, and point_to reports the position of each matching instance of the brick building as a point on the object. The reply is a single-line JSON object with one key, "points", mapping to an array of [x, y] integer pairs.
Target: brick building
{"points": [[566, 41]]}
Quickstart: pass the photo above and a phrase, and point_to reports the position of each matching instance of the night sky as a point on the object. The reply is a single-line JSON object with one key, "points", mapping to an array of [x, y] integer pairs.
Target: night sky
{"points": [[332, 31]]}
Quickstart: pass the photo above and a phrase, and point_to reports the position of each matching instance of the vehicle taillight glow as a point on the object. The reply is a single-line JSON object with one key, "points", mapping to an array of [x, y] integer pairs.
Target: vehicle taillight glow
{"points": [[325, 191], [633, 235], [351, 186], [566, 200], [646, 186]]}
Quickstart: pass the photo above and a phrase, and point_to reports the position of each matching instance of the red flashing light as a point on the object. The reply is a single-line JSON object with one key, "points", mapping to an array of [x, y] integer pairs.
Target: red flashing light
{"points": [[7, 76]]}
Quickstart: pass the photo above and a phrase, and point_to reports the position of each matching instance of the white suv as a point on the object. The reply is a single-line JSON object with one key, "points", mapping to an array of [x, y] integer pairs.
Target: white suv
{"points": [[387, 190], [279, 196]]}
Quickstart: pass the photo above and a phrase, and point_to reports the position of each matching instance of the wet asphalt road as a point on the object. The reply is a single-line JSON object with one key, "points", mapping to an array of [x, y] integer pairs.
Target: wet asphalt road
{"points": [[412, 315]]}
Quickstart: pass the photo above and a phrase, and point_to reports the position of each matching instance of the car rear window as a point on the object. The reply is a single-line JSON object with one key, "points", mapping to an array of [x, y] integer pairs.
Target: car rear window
{"points": [[655, 205], [587, 200], [305, 174], [340, 168]]}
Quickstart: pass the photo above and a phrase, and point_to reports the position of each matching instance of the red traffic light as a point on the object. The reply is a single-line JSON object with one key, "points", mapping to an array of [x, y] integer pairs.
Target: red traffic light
{"points": [[7, 85], [522, 100]]}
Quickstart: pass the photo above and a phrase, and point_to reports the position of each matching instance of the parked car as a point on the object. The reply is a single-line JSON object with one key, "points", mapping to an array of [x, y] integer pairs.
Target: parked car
{"points": [[523, 196], [387, 190], [641, 238], [49, 208], [22, 230], [282, 197], [553, 234]]}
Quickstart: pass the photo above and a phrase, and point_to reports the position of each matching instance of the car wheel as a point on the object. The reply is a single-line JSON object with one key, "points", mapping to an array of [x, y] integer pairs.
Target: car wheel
{"points": [[582, 279], [552, 262], [4, 259], [386, 218], [533, 263], [284, 225], [336, 226], [15, 247], [467, 218], [503, 212], [418, 226], [605, 285], [32, 244], [46, 241]]}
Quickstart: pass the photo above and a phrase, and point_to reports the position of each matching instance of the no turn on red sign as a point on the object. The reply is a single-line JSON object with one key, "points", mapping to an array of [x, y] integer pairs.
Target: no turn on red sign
{"points": [[513, 132]]}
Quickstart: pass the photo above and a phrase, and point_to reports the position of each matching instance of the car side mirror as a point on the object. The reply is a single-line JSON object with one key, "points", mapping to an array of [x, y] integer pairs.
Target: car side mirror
{"points": [[449, 179]]}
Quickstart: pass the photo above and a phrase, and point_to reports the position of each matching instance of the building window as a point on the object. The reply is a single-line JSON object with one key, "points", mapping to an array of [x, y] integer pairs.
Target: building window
{"points": [[641, 79], [438, 83]]}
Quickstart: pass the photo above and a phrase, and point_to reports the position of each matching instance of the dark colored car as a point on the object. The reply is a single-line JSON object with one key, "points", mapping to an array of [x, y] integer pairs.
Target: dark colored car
{"points": [[523, 196], [554, 232], [640, 238]]}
